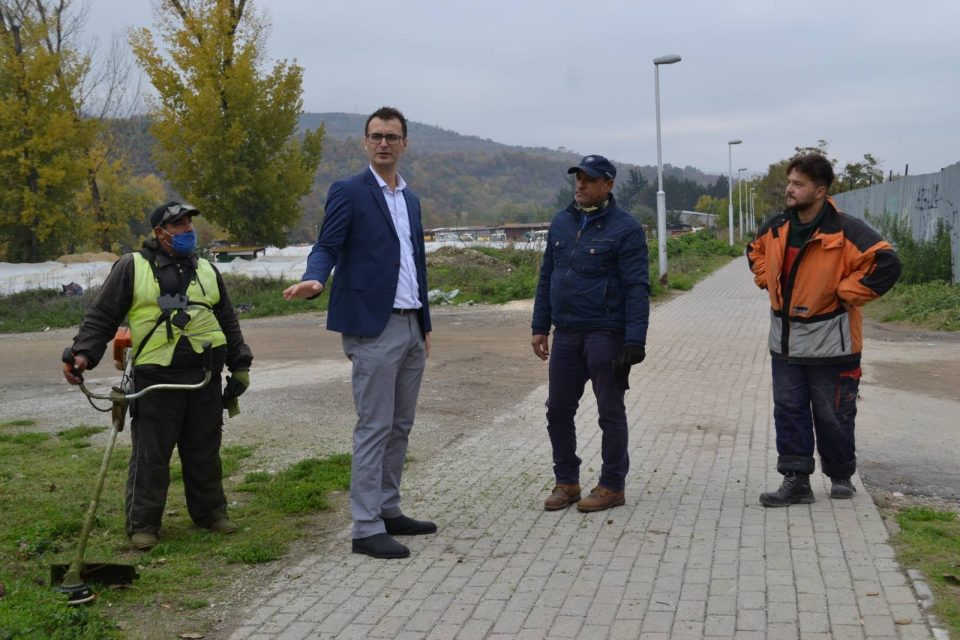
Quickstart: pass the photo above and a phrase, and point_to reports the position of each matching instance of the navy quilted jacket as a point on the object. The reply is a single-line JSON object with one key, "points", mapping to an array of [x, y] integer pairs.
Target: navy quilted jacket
{"points": [[594, 277]]}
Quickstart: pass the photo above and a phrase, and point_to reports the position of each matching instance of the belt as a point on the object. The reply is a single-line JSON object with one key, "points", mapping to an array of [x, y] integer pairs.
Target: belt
{"points": [[403, 312]]}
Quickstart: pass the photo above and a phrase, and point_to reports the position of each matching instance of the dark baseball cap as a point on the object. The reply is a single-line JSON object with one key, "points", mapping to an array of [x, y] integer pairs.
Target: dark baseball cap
{"points": [[171, 212], [595, 167]]}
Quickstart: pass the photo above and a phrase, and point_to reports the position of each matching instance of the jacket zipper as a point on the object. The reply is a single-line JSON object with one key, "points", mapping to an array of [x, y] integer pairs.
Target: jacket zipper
{"points": [[573, 255], [788, 295]]}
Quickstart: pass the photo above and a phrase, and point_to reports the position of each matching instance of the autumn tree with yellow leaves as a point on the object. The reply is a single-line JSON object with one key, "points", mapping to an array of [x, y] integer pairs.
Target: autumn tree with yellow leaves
{"points": [[226, 130]]}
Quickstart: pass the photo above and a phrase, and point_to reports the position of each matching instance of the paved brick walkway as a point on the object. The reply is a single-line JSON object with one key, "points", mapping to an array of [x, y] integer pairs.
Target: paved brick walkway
{"points": [[691, 555]]}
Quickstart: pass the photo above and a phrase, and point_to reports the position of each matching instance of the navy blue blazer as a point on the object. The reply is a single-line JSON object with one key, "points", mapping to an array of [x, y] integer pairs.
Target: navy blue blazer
{"points": [[359, 239]]}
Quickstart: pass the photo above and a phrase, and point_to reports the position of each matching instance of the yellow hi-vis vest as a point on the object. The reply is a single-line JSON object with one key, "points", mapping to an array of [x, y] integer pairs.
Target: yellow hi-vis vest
{"points": [[203, 293]]}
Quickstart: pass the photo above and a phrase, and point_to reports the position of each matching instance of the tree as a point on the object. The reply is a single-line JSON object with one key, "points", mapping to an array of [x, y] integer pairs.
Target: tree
{"points": [[858, 175], [118, 202], [563, 197], [632, 191], [43, 138], [716, 206], [226, 130]]}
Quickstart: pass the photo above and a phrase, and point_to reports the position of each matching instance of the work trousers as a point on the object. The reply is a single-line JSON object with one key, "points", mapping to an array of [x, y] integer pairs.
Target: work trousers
{"points": [[576, 357], [191, 421], [387, 370], [815, 405]]}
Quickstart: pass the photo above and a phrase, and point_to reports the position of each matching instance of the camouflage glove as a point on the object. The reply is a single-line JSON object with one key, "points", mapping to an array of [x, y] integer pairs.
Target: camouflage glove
{"points": [[236, 385]]}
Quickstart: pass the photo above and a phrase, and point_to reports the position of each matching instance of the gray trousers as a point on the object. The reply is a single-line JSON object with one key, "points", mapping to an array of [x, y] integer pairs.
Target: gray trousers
{"points": [[387, 370]]}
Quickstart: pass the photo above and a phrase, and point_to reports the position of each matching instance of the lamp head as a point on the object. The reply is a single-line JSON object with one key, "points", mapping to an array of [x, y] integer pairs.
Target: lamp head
{"points": [[668, 59], [735, 142]]}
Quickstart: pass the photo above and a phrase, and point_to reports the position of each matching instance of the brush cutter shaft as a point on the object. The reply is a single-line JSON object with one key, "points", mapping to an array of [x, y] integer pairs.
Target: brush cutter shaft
{"points": [[72, 578]]}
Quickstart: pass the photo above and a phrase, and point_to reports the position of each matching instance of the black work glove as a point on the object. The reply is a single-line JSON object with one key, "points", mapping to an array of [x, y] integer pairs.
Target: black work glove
{"points": [[632, 354]]}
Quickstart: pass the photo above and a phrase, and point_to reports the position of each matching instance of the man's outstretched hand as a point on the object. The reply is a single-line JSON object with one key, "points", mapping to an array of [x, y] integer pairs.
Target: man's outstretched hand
{"points": [[305, 289]]}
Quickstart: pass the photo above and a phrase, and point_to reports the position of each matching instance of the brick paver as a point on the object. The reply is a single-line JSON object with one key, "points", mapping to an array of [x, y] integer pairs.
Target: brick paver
{"points": [[691, 555]]}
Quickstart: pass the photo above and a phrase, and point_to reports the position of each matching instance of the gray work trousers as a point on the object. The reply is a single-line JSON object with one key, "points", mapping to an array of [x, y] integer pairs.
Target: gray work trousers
{"points": [[387, 370]]}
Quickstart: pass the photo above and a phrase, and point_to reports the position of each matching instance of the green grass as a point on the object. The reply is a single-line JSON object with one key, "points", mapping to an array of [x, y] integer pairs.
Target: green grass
{"points": [[41, 308], [932, 305], [263, 295], [45, 486], [24, 422], [929, 540]]}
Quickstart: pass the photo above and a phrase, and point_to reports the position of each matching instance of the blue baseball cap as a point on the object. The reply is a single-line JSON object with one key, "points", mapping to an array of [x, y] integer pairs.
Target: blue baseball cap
{"points": [[595, 167]]}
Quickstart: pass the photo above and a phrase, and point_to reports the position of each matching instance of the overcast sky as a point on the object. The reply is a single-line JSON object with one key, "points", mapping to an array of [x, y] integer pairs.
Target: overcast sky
{"points": [[880, 77]]}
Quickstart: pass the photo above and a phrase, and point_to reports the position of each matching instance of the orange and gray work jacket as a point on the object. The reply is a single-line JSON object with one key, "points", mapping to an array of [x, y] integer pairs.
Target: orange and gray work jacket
{"points": [[815, 315]]}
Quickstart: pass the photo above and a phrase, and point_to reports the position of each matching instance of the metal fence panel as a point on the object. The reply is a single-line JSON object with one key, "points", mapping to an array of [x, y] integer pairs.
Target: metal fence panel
{"points": [[922, 199]]}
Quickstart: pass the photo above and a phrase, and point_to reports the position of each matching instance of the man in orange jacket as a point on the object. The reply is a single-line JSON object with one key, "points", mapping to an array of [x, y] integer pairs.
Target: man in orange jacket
{"points": [[819, 266]]}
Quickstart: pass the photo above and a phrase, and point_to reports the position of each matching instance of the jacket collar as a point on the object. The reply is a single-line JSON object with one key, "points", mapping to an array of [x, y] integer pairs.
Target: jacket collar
{"points": [[611, 203]]}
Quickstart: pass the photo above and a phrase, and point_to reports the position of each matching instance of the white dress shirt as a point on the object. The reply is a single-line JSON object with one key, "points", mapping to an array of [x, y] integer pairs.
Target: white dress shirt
{"points": [[408, 290]]}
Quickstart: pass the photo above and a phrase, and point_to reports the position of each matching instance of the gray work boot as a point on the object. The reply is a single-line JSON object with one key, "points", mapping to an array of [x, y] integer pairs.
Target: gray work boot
{"points": [[143, 541], [222, 525], [841, 488], [795, 488]]}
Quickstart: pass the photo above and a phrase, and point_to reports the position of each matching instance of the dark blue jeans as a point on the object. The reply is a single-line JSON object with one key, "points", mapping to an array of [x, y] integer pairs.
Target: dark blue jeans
{"points": [[815, 404], [576, 357]]}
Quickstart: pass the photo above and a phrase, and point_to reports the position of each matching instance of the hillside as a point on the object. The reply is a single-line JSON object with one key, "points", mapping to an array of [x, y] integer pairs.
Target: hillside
{"points": [[460, 179]]}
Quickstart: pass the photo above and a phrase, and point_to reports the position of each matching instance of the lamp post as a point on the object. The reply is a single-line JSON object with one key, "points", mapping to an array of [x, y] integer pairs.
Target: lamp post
{"points": [[730, 185], [740, 200], [753, 213], [661, 197]]}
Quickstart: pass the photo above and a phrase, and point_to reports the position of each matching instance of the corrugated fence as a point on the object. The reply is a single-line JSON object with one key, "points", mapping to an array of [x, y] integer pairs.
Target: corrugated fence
{"points": [[921, 199]]}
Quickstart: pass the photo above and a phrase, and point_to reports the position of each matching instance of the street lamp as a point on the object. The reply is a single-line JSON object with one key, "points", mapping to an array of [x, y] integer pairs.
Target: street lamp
{"points": [[740, 200], [730, 186], [753, 213], [661, 197]]}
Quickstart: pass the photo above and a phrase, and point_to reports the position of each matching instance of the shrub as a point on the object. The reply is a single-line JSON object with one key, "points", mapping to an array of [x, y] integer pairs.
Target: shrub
{"points": [[922, 260]]}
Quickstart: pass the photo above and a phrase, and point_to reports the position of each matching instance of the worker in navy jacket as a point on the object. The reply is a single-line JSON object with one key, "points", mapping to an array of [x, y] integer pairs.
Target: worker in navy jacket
{"points": [[594, 290]]}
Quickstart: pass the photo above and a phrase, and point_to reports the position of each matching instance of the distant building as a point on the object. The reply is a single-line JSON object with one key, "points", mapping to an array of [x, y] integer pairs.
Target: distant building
{"points": [[507, 232], [697, 219], [522, 231]]}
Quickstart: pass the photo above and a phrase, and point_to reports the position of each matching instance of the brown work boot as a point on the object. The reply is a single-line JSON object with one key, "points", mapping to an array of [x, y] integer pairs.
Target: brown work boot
{"points": [[563, 496], [601, 498]]}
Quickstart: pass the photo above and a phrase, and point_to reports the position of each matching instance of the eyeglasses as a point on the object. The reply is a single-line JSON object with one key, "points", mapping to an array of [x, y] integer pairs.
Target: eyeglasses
{"points": [[176, 211], [391, 138]]}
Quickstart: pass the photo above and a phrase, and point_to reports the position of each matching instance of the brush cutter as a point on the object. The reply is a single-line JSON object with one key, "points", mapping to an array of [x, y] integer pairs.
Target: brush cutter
{"points": [[73, 579]]}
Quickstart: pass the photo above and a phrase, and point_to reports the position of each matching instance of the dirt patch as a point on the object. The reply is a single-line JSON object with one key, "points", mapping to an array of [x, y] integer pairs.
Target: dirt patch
{"points": [[79, 258], [465, 257]]}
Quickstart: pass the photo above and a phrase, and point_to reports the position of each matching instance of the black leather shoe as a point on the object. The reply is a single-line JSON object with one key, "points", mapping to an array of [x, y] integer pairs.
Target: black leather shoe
{"points": [[380, 545], [404, 526]]}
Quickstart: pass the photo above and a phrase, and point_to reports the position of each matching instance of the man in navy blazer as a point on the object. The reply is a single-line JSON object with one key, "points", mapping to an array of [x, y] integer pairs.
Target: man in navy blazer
{"points": [[373, 237]]}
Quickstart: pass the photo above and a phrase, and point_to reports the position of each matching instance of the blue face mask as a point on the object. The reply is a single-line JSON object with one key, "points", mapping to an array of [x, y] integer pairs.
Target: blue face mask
{"points": [[185, 243]]}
